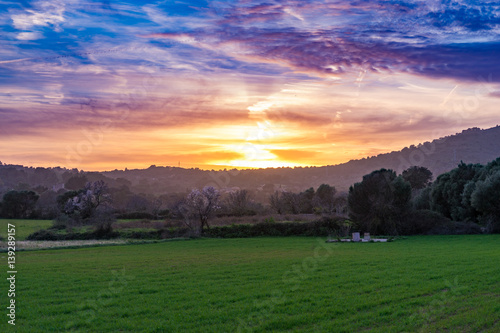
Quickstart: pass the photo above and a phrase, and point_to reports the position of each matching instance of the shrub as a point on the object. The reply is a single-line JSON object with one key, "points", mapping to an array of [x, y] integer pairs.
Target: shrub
{"points": [[321, 227], [269, 220], [152, 234], [43, 235], [456, 228], [427, 222], [51, 236], [135, 215], [57, 227], [159, 234], [421, 222]]}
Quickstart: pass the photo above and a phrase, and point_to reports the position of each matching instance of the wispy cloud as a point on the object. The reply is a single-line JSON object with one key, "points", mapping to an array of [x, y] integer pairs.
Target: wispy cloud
{"points": [[313, 81], [453, 42]]}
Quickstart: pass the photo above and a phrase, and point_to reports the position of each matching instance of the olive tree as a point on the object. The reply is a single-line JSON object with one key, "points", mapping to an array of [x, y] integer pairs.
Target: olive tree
{"points": [[379, 203], [19, 204], [324, 198], [418, 177], [486, 199]]}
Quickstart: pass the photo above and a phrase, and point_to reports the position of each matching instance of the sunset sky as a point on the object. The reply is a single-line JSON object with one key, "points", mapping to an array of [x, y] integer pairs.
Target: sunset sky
{"points": [[100, 85]]}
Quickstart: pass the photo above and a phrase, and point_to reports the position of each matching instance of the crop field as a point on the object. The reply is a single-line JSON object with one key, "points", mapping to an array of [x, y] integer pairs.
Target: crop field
{"points": [[23, 227], [294, 284]]}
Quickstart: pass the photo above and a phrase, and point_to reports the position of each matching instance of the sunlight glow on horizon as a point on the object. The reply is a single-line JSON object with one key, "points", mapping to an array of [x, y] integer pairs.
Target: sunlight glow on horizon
{"points": [[244, 84]]}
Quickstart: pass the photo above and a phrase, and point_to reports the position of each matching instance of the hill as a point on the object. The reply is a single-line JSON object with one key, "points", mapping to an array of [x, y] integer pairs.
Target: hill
{"points": [[440, 155]]}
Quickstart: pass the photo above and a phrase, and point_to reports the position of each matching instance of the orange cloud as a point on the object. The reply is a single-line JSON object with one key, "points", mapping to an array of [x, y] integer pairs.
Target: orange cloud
{"points": [[302, 156]]}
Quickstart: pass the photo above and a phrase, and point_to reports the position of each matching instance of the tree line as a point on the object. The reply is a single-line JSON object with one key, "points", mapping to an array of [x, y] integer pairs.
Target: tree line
{"points": [[465, 199]]}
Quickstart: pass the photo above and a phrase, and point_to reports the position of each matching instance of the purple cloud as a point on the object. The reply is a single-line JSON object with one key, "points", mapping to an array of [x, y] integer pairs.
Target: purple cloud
{"points": [[391, 36]]}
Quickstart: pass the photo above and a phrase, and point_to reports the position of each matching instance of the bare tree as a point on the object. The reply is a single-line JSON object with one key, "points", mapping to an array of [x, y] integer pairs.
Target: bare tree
{"points": [[276, 202], [156, 204], [238, 202], [202, 204], [292, 202]]}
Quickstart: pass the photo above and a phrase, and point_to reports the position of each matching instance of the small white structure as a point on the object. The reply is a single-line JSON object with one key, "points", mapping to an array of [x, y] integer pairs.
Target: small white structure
{"points": [[357, 238]]}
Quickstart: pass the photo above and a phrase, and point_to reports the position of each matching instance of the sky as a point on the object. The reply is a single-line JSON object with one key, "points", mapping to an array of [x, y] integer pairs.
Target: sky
{"points": [[103, 85]]}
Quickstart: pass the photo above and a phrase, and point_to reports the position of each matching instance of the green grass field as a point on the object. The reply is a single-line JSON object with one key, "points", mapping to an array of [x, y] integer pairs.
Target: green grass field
{"points": [[23, 227], [296, 284]]}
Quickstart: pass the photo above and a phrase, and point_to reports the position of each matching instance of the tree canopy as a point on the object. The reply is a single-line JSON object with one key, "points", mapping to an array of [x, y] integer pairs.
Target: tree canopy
{"points": [[419, 177], [379, 202], [19, 204]]}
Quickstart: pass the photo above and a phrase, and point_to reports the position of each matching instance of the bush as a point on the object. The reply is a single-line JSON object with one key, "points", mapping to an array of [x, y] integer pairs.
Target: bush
{"points": [[427, 222], [51, 236], [164, 213], [159, 234], [421, 222], [456, 228], [322, 227], [68, 221], [152, 234], [57, 227], [43, 235], [269, 220], [102, 222], [135, 215]]}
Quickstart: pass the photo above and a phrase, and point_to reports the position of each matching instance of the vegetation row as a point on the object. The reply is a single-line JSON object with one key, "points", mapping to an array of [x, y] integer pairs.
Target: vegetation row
{"points": [[463, 200]]}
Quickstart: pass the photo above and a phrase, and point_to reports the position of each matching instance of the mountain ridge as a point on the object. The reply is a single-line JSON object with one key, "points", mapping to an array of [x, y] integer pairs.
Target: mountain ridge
{"points": [[473, 145]]}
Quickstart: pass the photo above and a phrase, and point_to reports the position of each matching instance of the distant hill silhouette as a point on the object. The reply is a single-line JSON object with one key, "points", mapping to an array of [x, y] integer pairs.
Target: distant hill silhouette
{"points": [[470, 146], [441, 155]]}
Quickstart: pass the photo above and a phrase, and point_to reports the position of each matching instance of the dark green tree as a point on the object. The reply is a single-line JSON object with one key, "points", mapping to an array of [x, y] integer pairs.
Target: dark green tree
{"points": [[63, 199], [418, 177], [325, 198], [44, 177], [486, 200], [306, 201], [75, 183], [423, 199], [379, 203], [19, 204], [447, 194]]}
